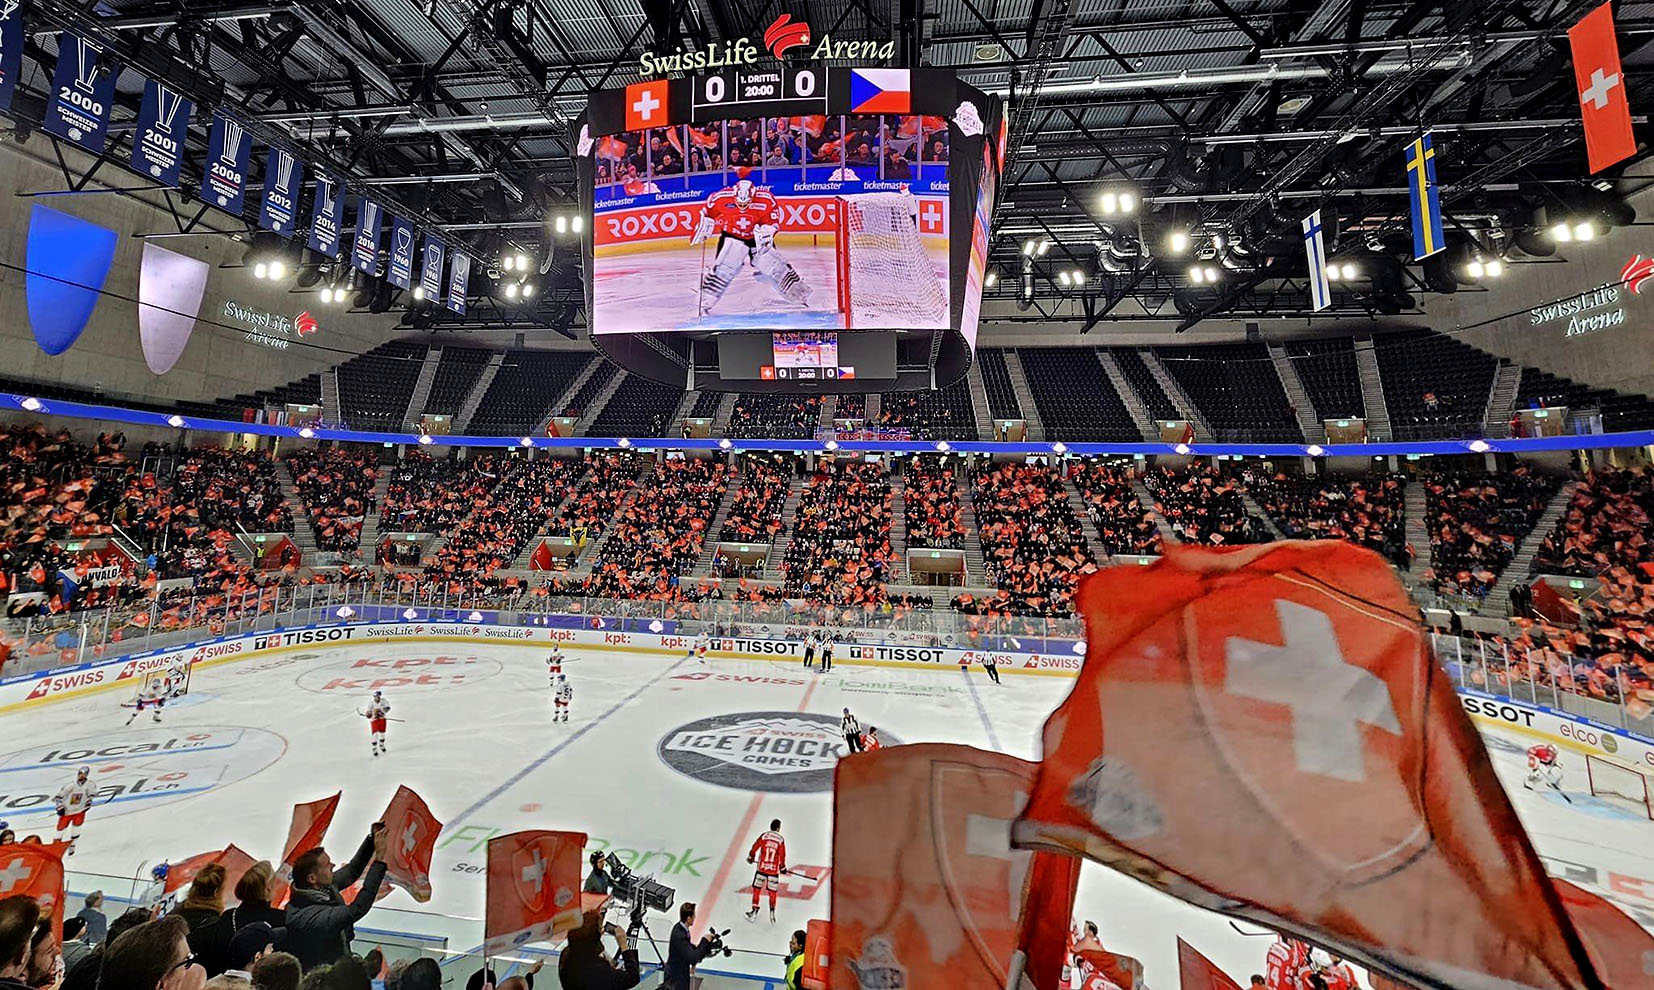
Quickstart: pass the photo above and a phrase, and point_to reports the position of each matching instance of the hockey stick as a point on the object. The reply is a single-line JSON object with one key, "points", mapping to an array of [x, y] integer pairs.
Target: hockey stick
{"points": [[1249, 934], [700, 283]]}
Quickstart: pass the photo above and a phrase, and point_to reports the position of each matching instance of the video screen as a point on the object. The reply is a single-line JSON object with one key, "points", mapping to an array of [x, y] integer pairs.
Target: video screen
{"points": [[774, 223], [805, 350]]}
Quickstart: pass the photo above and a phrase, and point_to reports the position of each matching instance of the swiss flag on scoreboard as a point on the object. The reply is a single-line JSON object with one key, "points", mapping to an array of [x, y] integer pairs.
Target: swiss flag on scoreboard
{"points": [[1311, 720], [933, 216], [533, 887], [34, 869], [413, 833], [1196, 972], [927, 892], [1601, 87], [646, 104]]}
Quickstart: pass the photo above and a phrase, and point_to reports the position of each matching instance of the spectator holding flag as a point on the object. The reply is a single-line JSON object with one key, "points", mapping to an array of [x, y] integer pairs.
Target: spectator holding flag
{"points": [[320, 924]]}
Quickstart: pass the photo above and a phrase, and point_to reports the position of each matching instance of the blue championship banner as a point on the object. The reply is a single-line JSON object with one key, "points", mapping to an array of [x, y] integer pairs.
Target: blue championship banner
{"points": [[228, 149], [364, 254], [459, 282], [400, 269], [163, 122], [283, 178], [430, 273], [327, 217], [83, 89], [11, 50]]}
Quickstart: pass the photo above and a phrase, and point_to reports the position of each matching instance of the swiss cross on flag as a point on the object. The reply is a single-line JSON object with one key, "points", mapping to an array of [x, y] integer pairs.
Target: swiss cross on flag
{"points": [[413, 833], [1312, 722], [646, 104], [533, 887], [1601, 86], [932, 216], [34, 869]]}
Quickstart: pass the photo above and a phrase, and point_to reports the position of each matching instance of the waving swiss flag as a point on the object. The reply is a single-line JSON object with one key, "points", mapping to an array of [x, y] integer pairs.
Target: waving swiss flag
{"points": [[413, 833], [1262, 732], [533, 887], [1601, 86]]}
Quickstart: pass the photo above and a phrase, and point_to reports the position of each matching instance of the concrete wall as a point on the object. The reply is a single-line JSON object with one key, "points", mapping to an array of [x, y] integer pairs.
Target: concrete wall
{"points": [[219, 360]]}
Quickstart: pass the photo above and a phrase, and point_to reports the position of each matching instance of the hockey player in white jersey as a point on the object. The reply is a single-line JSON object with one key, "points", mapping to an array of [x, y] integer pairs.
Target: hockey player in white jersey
{"points": [[377, 713], [565, 697], [72, 802], [152, 695], [554, 665], [698, 649], [746, 220]]}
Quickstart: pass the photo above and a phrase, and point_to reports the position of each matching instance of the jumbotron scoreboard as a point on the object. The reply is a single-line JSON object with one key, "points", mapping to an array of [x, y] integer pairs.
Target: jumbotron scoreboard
{"points": [[791, 228]]}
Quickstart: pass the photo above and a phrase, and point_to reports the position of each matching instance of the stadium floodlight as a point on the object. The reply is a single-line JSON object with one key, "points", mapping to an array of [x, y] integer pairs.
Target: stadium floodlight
{"points": [[562, 224], [277, 269], [1197, 274], [528, 291], [1109, 203], [1562, 233], [1475, 269], [511, 290], [1350, 271], [506, 262], [1211, 274], [522, 262], [1045, 247], [1178, 242], [990, 280], [1078, 276], [577, 223], [1585, 230], [261, 270], [1495, 267], [1029, 246], [419, 293], [1064, 278], [31, 403], [1128, 202]]}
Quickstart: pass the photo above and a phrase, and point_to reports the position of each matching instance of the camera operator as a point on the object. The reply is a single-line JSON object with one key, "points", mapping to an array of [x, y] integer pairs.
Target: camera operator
{"points": [[683, 953], [585, 966], [598, 881]]}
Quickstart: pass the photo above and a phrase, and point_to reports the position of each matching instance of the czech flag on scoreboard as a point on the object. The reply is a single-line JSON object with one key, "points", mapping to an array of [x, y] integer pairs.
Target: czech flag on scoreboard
{"points": [[881, 91], [1424, 196]]}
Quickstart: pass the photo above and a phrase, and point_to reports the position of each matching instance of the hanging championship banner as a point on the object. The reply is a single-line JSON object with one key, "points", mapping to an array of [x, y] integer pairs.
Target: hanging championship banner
{"points": [[163, 121], [364, 254], [283, 178], [459, 281], [228, 149], [400, 269], [83, 89], [430, 274], [327, 217], [11, 50]]}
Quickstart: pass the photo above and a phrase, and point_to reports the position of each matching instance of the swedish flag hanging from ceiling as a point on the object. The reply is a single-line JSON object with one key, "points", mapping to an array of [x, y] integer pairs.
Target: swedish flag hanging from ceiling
{"points": [[1424, 196]]}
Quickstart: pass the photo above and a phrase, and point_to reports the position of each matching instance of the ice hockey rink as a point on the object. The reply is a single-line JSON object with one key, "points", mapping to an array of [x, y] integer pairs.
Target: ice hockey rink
{"points": [[476, 740]]}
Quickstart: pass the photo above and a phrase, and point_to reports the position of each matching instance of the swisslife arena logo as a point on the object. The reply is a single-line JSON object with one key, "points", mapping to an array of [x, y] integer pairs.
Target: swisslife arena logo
{"points": [[781, 752], [782, 36]]}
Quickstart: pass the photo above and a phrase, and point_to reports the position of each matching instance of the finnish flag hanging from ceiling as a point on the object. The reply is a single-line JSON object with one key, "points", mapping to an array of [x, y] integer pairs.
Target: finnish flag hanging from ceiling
{"points": [[364, 254], [1315, 256], [11, 50], [283, 178], [327, 217], [163, 123], [229, 148], [430, 273], [83, 90], [459, 282], [400, 269]]}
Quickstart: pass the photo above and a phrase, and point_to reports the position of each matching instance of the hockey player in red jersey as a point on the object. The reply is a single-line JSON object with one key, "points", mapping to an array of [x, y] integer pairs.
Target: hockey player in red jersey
{"points": [[746, 220], [769, 855], [1283, 962], [1325, 971], [1544, 768]]}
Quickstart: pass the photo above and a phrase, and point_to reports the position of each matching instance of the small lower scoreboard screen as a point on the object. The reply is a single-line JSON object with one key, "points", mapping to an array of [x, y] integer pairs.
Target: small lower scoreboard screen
{"points": [[798, 198]]}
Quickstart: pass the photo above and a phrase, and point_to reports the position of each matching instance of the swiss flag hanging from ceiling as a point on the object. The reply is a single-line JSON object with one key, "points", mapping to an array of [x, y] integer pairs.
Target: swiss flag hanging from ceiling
{"points": [[1601, 88], [1262, 732]]}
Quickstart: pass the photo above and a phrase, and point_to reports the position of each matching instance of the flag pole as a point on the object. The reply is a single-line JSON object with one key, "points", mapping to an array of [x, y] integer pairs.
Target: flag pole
{"points": [[1019, 962]]}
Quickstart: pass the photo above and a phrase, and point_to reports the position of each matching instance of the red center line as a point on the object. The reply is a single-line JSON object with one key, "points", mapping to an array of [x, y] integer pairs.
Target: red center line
{"points": [[703, 911]]}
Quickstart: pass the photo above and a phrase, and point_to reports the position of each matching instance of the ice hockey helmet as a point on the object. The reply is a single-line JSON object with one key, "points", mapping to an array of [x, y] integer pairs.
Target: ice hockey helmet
{"points": [[378, 694], [1319, 959], [743, 192], [84, 771]]}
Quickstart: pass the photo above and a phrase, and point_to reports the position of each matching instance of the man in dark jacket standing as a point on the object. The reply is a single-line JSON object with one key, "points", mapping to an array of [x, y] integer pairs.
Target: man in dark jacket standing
{"points": [[585, 966], [684, 952], [320, 924]]}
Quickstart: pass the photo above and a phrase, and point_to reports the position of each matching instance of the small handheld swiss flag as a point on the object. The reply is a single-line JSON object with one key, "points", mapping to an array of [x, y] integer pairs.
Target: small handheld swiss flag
{"points": [[413, 834], [533, 887], [1601, 86]]}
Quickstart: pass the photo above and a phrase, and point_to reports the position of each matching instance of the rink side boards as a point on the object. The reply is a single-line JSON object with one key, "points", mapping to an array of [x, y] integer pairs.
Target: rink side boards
{"points": [[1571, 732], [44, 687]]}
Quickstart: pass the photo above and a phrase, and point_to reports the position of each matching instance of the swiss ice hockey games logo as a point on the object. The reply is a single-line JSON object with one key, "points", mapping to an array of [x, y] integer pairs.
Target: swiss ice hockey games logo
{"points": [[790, 752]]}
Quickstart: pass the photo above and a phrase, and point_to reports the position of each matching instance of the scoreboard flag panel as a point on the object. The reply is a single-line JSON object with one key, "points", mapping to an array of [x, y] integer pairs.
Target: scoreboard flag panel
{"points": [[880, 91], [646, 104], [163, 121], [83, 90]]}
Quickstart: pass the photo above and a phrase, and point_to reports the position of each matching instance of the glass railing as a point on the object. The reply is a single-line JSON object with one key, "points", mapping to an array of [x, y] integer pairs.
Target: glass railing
{"points": [[1570, 684]]}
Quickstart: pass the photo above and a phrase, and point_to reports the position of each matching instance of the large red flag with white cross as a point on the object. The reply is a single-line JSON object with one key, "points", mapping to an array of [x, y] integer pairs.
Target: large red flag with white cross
{"points": [[1263, 732]]}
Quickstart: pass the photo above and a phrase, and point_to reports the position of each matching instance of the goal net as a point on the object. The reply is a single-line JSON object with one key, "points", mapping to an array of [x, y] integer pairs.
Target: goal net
{"points": [[886, 278], [1620, 783]]}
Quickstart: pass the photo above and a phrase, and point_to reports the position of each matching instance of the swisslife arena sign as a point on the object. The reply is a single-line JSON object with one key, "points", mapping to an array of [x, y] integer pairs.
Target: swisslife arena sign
{"points": [[783, 35], [1598, 308]]}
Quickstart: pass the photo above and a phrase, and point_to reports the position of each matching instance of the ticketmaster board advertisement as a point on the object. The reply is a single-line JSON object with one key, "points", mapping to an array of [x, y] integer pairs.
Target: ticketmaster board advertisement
{"points": [[1574, 733]]}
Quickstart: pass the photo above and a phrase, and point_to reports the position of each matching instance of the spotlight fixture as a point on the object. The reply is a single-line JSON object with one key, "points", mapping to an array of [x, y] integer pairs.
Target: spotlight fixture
{"points": [[528, 291], [1078, 276], [1178, 242], [1585, 230], [307, 433], [522, 262], [419, 293], [176, 421], [526, 441], [1045, 247], [1350, 271], [1495, 267], [990, 280], [1029, 247], [261, 270], [511, 290], [724, 444], [1475, 268], [31, 403], [507, 262], [561, 225], [577, 223], [1064, 279], [1197, 274], [278, 270]]}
